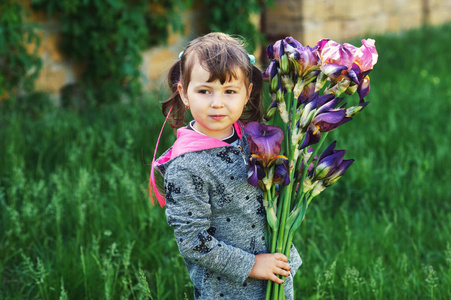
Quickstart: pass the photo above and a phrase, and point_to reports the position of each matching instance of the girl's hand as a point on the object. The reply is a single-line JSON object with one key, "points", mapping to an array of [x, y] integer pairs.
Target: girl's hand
{"points": [[268, 265]]}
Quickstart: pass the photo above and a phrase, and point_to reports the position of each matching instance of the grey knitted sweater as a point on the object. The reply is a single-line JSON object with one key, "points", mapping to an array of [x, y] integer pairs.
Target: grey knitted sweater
{"points": [[219, 220]]}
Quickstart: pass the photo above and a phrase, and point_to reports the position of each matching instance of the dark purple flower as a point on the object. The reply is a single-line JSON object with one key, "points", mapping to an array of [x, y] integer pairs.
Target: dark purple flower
{"points": [[328, 164], [327, 102], [307, 59], [275, 52], [292, 42], [312, 136], [339, 171], [307, 92], [281, 173], [270, 71], [364, 88], [264, 141], [328, 151], [331, 165], [287, 45], [329, 120], [255, 172]]}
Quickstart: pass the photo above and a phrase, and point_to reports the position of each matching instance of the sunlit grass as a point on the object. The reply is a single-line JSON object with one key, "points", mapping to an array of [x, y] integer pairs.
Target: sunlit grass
{"points": [[76, 223]]}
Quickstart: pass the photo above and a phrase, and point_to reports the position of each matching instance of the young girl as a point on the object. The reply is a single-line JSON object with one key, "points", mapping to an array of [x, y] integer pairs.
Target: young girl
{"points": [[218, 218]]}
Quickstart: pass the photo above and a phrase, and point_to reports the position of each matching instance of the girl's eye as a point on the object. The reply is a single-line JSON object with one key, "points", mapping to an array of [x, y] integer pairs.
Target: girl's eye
{"points": [[230, 92], [204, 92]]}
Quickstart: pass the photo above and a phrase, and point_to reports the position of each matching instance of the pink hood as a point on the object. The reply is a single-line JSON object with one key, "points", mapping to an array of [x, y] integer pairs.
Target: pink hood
{"points": [[187, 141]]}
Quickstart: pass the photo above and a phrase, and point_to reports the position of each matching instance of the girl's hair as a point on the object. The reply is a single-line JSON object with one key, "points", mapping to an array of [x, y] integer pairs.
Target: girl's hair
{"points": [[221, 55]]}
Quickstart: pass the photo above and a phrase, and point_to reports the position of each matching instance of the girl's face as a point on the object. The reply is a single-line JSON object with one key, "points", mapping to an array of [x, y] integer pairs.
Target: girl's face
{"points": [[215, 106]]}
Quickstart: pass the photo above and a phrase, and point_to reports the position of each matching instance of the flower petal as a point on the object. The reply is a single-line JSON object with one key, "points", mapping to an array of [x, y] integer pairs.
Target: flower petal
{"points": [[338, 172], [328, 151], [330, 120], [328, 164], [281, 174], [312, 136], [333, 70], [264, 140], [364, 88]]}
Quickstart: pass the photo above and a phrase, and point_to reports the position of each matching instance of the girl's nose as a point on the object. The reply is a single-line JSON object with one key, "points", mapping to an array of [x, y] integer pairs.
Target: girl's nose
{"points": [[217, 101]]}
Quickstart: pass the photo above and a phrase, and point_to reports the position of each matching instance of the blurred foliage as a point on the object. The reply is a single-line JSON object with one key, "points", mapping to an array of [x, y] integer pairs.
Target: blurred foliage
{"points": [[234, 18], [106, 37], [19, 62]]}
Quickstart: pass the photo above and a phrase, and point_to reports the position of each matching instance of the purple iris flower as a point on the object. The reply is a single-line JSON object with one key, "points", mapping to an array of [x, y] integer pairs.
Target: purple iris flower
{"points": [[361, 79], [339, 171], [327, 165], [265, 141], [364, 88], [329, 120], [331, 165], [255, 172], [275, 52], [281, 173], [271, 71], [328, 160], [312, 136], [306, 58], [288, 45], [307, 92]]}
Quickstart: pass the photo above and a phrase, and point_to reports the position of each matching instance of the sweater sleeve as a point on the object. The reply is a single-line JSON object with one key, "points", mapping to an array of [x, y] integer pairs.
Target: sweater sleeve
{"points": [[294, 260], [188, 211]]}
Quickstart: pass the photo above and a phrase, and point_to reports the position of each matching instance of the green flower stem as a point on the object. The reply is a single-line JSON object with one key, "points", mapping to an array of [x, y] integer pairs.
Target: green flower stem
{"points": [[286, 192], [269, 289], [287, 134], [271, 285]]}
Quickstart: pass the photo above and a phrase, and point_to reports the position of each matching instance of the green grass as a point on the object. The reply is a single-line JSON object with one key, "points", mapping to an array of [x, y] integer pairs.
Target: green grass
{"points": [[76, 223]]}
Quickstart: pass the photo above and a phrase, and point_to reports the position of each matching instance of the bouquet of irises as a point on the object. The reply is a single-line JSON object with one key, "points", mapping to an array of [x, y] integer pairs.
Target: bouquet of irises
{"points": [[308, 86]]}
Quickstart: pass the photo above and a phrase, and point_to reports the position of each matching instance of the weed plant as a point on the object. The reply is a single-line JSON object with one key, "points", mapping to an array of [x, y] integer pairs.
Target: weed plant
{"points": [[76, 222]]}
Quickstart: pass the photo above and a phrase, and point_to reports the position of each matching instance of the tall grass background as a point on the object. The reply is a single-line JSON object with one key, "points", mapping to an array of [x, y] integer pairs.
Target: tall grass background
{"points": [[76, 222]]}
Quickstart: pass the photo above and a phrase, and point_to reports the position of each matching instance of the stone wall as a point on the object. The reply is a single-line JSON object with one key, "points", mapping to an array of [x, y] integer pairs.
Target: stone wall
{"points": [[311, 20], [57, 70], [306, 20]]}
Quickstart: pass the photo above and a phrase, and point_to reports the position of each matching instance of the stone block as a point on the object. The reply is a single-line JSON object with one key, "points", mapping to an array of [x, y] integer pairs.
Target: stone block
{"points": [[312, 33], [434, 4], [401, 6], [439, 16], [377, 24], [348, 9], [350, 29], [333, 29], [409, 21], [393, 23], [317, 9]]}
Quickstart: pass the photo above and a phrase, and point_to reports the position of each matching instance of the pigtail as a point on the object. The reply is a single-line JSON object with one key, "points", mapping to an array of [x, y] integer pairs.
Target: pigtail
{"points": [[254, 108], [177, 114]]}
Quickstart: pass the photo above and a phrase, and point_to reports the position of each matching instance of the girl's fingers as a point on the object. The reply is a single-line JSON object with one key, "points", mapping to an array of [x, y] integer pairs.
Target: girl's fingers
{"points": [[280, 256], [282, 272], [283, 265], [276, 279]]}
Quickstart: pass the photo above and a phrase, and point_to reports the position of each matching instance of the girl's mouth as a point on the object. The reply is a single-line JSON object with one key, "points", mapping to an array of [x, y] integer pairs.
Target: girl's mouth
{"points": [[217, 117]]}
